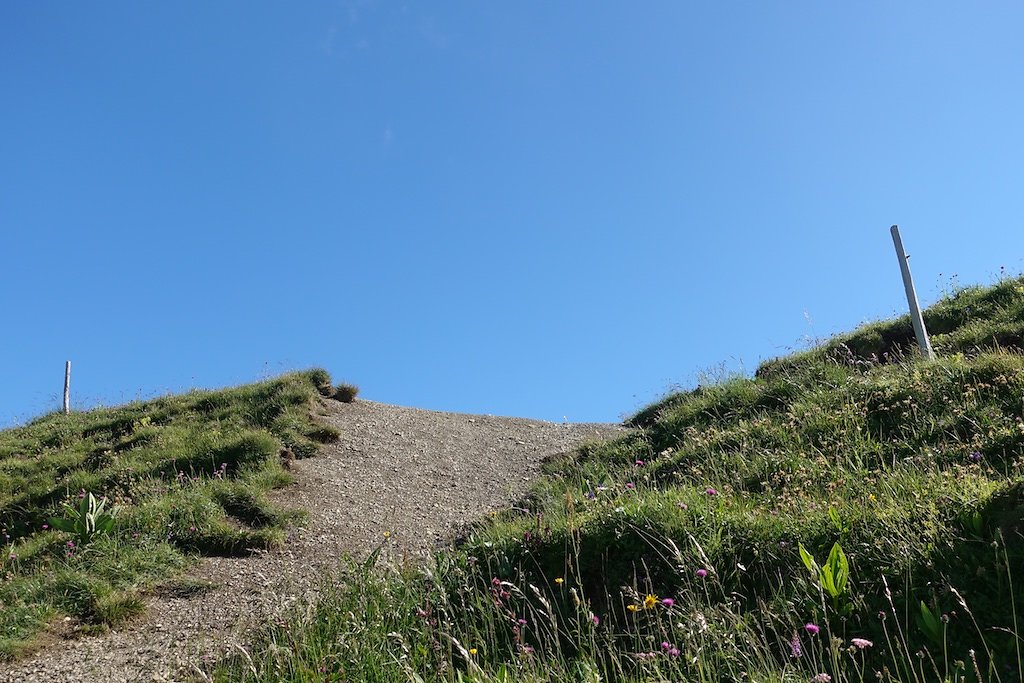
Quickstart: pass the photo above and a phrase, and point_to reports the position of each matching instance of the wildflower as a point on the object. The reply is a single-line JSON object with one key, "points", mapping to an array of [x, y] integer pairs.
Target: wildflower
{"points": [[665, 645], [45, 527], [861, 643], [630, 485], [591, 495], [668, 602], [813, 629], [521, 622], [794, 647], [594, 618], [527, 649], [650, 601], [974, 457], [710, 491], [13, 556], [81, 494], [632, 608], [639, 463], [682, 506], [472, 651], [701, 573], [559, 580], [673, 652], [821, 678]]}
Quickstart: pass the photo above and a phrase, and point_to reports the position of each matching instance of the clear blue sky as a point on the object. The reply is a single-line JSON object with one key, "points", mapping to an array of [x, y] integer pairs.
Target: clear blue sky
{"points": [[529, 208]]}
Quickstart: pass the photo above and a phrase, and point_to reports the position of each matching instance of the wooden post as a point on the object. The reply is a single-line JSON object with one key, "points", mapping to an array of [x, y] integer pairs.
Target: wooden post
{"points": [[915, 310], [67, 388]]}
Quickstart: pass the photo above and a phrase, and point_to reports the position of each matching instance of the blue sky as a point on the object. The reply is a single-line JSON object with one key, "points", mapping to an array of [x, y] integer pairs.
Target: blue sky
{"points": [[554, 210]]}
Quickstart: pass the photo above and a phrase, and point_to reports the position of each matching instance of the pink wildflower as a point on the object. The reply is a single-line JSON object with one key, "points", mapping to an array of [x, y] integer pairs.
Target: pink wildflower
{"points": [[861, 643]]}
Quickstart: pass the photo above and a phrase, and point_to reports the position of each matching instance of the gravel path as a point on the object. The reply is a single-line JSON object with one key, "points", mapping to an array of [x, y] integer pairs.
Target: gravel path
{"points": [[415, 475]]}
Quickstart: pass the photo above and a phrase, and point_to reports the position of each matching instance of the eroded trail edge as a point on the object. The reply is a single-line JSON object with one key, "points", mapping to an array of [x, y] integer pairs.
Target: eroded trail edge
{"points": [[403, 476]]}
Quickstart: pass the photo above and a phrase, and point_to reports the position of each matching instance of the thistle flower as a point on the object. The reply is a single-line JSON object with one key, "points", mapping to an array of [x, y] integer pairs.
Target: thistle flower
{"points": [[701, 573], [813, 629]]}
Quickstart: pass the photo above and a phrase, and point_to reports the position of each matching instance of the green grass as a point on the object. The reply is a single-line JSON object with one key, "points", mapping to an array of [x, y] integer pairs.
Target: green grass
{"points": [[189, 476], [673, 553]]}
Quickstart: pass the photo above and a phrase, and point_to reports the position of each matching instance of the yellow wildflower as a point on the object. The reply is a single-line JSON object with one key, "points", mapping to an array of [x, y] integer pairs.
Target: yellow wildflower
{"points": [[472, 651], [559, 580], [632, 608], [650, 601]]}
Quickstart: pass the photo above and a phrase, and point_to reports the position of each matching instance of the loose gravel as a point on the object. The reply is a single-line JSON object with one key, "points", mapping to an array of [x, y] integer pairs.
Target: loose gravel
{"points": [[404, 477]]}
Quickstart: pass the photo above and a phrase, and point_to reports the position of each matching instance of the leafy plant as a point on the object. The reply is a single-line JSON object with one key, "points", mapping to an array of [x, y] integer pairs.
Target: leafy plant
{"points": [[90, 519], [930, 625], [832, 576], [842, 527]]}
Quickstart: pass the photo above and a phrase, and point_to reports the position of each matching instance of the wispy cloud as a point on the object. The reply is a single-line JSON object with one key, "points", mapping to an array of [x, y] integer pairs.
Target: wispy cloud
{"points": [[430, 32], [328, 44]]}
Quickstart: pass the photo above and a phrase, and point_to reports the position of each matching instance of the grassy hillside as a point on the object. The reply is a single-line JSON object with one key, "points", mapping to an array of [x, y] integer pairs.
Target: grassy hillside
{"points": [[167, 480], [850, 513]]}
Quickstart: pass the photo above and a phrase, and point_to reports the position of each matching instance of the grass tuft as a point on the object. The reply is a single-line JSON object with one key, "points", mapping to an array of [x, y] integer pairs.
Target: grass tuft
{"points": [[346, 393]]}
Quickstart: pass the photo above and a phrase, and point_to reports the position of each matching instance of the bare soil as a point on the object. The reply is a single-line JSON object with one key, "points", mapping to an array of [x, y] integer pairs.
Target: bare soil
{"points": [[404, 477]]}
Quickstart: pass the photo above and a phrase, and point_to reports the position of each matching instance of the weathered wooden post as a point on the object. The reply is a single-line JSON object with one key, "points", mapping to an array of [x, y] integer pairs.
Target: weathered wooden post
{"points": [[67, 388], [915, 310]]}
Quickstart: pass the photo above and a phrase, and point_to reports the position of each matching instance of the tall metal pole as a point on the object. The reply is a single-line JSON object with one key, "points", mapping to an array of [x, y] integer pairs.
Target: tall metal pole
{"points": [[67, 388], [915, 310]]}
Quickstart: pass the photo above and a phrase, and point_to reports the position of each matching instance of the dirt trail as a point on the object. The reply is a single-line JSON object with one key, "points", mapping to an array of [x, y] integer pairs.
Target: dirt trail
{"points": [[415, 475]]}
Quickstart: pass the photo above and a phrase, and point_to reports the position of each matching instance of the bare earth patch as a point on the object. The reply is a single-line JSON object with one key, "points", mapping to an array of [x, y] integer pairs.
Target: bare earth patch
{"points": [[404, 477]]}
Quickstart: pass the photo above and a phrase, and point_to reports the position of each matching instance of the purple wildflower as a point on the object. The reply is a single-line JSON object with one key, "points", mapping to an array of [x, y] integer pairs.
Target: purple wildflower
{"points": [[630, 485], [701, 573], [861, 643], [794, 647], [668, 602], [974, 457], [710, 491], [813, 629], [821, 678], [673, 652]]}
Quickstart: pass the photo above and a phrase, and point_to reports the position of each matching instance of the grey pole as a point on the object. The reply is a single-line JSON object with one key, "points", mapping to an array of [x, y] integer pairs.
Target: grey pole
{"points": [[67, 388], [915, 310]]}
